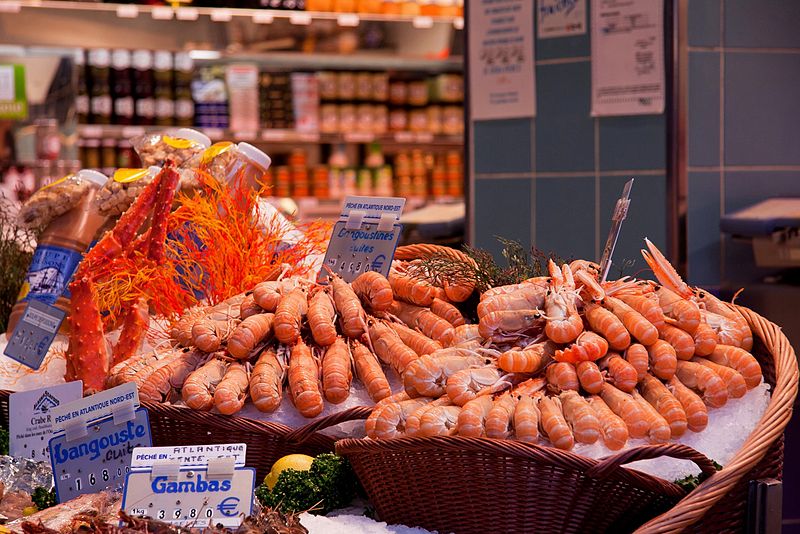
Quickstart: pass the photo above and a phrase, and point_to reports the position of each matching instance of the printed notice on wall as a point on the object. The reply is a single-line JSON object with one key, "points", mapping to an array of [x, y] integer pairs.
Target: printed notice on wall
{"points": [[627, 57], [501, 56], [560, 18]]}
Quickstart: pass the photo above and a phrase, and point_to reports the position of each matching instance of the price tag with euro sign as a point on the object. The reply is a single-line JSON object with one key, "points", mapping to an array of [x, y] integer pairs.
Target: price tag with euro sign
{"points": [[364, 238], [191, 486], [94, 440]]}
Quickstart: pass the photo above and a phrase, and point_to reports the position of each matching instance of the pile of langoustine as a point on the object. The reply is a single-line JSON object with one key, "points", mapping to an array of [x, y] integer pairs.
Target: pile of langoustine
{"points": [[310, 336], [568, 359]]}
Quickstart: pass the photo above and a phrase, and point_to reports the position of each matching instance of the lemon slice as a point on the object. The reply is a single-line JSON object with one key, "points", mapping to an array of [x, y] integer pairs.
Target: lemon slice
{"points": [[298, 462]]}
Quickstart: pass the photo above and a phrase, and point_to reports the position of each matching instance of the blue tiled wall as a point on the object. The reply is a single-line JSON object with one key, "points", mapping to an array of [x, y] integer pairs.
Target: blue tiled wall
{"points": [[552, 181], [743, 124]]}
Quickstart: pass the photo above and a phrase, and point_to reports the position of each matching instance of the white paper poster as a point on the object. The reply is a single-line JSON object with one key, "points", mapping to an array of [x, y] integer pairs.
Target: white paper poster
{"points": [[560, 18], [501, 59], [627, 57]]}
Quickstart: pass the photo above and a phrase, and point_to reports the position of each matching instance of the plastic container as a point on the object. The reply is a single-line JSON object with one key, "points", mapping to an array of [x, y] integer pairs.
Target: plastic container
{"points": [[119, 191], [181, 146], [228, 162], [59, 251], [56, 198]]}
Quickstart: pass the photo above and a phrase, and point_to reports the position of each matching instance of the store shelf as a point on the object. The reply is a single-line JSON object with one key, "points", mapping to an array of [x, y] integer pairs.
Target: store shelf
{"points": [[357, 61], [223, 14], [291, 137]]}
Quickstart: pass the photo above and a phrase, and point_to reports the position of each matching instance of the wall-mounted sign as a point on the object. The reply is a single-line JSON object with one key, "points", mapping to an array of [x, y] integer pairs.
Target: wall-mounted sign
{"points": [[13, 100], [501, 59], [560, 18], [627, 57]]}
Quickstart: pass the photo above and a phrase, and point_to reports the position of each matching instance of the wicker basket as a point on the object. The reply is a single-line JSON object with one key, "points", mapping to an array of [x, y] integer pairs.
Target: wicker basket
{"points": [[465, 485], [266, 441]]}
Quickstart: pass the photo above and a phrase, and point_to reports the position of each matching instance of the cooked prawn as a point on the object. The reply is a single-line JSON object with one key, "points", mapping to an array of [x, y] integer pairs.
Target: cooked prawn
{"points": [[289, 316], [696, 376], [625, 406], [526, 419], [416, 341], [659, 431], [266, 381], [322, 317], [620, 372], [428, 375], [369, 371], [337, 372], [439, 421], [501, 326], [662, 359], [564, 324], [374, 289], [705, 339], [413, 421], [390, 418], [463, 386], [249, 333], [588, 347], [637, 356], [531, 359], [553, 424], [739, 359], [733, 380], [425, 321], [248, 307], [411, 290], [589, 376], [615, 432], [681, 341], [448, 312], [231, 392], [693, 405], [198, 389], [666, 404], [608, 325], [638, 327], [157, 387], [581, 418], [389, 347], [562, 376], [304, 380], [351, 313], [472, 419], [500, 419]]}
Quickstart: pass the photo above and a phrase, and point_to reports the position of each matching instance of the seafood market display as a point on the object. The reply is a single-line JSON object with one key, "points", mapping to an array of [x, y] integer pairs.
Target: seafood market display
{"points": [[565, 359], [310, 340]]}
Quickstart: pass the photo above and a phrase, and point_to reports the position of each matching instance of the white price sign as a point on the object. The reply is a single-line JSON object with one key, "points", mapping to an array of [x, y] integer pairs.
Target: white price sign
{"points": [[32, 424]]}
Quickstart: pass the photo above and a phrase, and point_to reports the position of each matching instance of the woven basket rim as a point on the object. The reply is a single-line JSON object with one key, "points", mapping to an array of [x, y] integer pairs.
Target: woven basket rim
{"points": [[594, 468], [694, 505], [768, 429]]}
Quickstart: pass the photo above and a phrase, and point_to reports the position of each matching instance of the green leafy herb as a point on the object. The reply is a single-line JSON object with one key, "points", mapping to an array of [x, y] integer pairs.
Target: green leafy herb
{"points": [[3, 441], [44, 498], [328, 485], [690, 482], [15, 257]]}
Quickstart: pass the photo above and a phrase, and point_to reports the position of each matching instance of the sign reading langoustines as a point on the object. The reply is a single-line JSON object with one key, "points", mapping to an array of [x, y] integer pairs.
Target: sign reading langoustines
{"points": [[627, 57], [501, 58]]}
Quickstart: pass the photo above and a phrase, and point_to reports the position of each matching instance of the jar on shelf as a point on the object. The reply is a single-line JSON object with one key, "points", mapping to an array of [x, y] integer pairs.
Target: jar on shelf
{"points": [[390, 7], [418, 93], [380, 87], [418, 120], [364, 91], [371, 7], [398, 93], [409, 8], [380, 123], [48, 140], [91, 154], [398, 120], [366, 118], [347, 118], [434, 119], [344, 6], [328, 85], [346, 86], [427, 8], [100, 106]]}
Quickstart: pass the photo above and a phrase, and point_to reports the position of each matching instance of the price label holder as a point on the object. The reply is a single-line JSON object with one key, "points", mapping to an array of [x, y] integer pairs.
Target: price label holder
{"points": [[35, 332], [31, 426], [364, 238], [94, 440], [193, 486]]}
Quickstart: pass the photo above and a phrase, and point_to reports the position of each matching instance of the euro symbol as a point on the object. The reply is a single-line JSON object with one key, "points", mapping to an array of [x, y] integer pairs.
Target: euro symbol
{"points": [[228, 507]]}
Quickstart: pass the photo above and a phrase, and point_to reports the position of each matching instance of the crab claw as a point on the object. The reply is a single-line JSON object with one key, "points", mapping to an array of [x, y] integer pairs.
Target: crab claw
{"points": [[664, 270]]}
